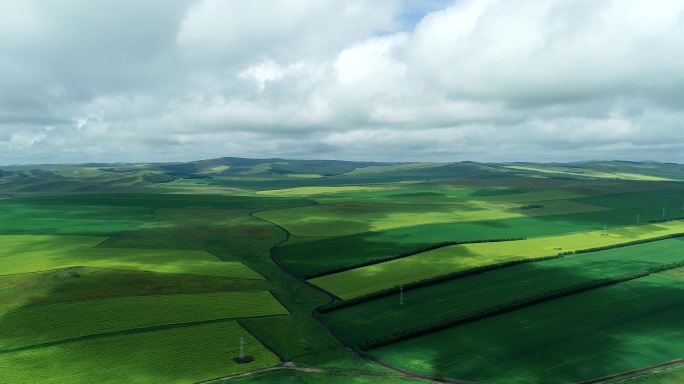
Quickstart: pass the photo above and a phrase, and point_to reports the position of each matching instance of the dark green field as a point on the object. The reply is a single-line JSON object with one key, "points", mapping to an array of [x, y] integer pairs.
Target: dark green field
{"points": [[148, 273]]}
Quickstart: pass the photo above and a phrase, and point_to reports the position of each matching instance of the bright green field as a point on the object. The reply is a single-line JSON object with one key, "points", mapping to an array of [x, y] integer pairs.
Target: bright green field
{"points": [[600, 332], [346, 218], [469, 295], [54, 322], [182, 355], [303, 255], [376, 277], [32, 253]]}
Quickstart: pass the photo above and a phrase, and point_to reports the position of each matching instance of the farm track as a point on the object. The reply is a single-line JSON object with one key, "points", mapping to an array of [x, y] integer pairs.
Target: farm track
{"points": [[632, 372], [402, 372]]}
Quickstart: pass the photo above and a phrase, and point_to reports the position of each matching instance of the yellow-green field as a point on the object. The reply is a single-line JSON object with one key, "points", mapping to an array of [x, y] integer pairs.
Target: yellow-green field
{"points": [[32, 253], [589, 173], [442, 261], [313, 191], [341, 219]]}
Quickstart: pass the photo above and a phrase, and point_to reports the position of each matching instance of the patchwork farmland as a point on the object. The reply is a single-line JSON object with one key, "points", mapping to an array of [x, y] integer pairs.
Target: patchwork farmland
{"points": [[281, 271]]}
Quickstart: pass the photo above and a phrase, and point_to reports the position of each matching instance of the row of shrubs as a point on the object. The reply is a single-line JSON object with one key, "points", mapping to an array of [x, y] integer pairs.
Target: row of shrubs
{"points": [[477, 270], [407, 254], [509, 307]]}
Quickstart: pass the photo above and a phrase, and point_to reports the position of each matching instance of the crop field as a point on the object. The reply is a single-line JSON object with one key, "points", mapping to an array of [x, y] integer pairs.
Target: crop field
{"points": [[154, 272], [603, 331], [471, 295], [84, 283], [55, 322], [33, 253], [21, 218], [346, 218], [181, 355], [302, 253], [452, 259]]}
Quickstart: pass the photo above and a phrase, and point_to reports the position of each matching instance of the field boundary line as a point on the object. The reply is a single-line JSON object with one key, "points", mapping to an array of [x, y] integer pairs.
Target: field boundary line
{"points": [[407, 254], [315, 315], [516, 305], [130, 331], [481, 269]]}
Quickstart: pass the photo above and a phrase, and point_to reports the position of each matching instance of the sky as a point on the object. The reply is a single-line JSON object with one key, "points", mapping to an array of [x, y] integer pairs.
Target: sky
{"points": [[386, 80]]}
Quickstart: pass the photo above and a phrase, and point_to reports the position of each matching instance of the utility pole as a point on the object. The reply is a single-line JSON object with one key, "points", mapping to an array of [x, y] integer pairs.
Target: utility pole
{"points": [[663, 212], [242, 349], [638, 219], [401, 295]]}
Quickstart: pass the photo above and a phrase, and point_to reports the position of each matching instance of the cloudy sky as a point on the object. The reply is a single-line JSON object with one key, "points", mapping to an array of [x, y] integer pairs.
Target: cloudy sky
{"points": [[405, 80]]}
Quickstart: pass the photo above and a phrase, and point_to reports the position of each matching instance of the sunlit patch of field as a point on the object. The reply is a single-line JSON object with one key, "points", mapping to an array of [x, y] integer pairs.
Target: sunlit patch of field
{"points": [[218, 168], [32, 253], [589, 173], [451, 259], [322, 190], [348, 218], [470, 295]]}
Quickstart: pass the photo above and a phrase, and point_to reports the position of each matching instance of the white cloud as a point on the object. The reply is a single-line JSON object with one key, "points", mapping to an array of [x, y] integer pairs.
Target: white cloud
{"points": [[472, 79]]}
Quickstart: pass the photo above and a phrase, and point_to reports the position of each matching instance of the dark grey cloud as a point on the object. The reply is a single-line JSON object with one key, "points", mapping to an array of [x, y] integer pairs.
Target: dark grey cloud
{"points": [[381, 80]]}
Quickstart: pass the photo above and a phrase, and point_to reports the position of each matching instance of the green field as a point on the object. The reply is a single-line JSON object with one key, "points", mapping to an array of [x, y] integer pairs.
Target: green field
{"points": [[84, 283], [55, 322], [182, 355], [604, 331], [468, 296], [302, 254], [33, 253], [351, 217], [152, 272], [451, 259]]}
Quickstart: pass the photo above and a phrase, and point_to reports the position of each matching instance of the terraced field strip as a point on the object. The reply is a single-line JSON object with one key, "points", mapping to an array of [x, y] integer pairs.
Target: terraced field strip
{"points": [[592, 334], [33, 253], [182, 355], [55, 322], [453, 259], [436, 305]]}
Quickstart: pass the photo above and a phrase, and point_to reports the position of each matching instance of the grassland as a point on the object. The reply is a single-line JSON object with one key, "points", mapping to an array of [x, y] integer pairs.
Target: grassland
{"points": [[84, 283], [346, 218], [452, 259], [471, 295], [109, 274], [302, 253], [182, 355], [32, 253], [607, 330], [49, 323]]}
